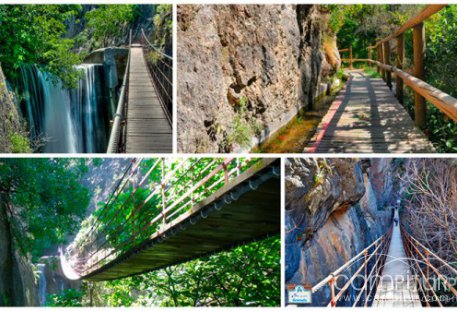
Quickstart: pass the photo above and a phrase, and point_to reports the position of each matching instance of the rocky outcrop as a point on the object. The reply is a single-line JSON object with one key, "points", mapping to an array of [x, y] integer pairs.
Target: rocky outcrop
{"points": [[332, 214], [17, 282], [244, 71], [12, 134]]}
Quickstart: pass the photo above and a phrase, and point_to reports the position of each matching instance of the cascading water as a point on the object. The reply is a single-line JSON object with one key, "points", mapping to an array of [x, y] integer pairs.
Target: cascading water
{"points": [[42, 283], [67, 120]]}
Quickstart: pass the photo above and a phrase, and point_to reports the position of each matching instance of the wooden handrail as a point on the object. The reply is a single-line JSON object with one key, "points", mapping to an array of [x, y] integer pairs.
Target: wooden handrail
{"points": [[422, 90], [414, 21], [443, 101]]}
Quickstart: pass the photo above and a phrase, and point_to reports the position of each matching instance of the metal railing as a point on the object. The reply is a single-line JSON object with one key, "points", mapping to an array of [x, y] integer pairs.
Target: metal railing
{"points": [[152, 199], [424, 262], [161, 69], [116, 139], [374, 255]]}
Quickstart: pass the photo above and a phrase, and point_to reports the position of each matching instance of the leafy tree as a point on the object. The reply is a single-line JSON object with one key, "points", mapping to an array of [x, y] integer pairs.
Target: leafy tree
{"points": [[68, 298], [35, 34], [44, 198], [107, 22], [248, 275]]}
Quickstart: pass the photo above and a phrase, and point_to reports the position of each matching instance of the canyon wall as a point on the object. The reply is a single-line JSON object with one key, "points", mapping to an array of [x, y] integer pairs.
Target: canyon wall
{"points": [[13, 137], [245, 70], [334, 209], [17, 281]]}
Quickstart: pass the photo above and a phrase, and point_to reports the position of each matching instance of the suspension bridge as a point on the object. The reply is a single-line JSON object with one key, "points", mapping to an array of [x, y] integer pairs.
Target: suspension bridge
{"points": [[396, 270], [368, 115], [142, 123], [191, 211]]}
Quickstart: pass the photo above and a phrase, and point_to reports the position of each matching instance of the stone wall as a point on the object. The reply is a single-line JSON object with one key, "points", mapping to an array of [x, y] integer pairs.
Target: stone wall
{"points": [[257, 63]]}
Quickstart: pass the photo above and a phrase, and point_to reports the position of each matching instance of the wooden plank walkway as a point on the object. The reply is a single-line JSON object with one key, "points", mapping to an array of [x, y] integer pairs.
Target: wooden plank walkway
{"points": [[242, 214], [397, 287], [148, 128], [367, 118]]}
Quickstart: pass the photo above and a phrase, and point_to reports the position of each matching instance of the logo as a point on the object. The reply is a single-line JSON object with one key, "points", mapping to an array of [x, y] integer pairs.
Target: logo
{"points": [[299, 294]]}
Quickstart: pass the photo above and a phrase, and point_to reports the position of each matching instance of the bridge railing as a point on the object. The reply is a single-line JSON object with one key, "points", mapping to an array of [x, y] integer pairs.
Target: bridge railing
{"points": [[422, 90], [424, 265], [373, 258], [116, 136], [161, 69], [350, 59], [150, 196]]}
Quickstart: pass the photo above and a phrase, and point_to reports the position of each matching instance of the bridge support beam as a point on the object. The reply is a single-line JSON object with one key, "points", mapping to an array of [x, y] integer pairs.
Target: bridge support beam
{"points": [[350, 57], [400, 57], [386, 54], [420, 108], [378, 57]]}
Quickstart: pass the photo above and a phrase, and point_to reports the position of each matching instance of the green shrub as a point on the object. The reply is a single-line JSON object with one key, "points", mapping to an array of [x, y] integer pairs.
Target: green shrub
{"points": [[68, 298], [19, 143]]}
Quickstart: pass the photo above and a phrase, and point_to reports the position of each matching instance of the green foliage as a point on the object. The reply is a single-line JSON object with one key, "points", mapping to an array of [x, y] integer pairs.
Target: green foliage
{"points": [[163, 25], [244, 128], [440, 72], [19, 143], [248, 275], [361, 25], [35, 34], [44, 208], [106, 22], [67, 298]]}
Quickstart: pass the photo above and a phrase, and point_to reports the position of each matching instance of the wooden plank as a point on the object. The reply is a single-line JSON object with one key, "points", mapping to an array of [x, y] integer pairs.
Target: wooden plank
{"points": [[368, 119], [148, 127]]}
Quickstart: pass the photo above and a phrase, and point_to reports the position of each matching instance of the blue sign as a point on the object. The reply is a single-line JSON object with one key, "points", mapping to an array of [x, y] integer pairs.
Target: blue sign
{"points": [[298, 294]]}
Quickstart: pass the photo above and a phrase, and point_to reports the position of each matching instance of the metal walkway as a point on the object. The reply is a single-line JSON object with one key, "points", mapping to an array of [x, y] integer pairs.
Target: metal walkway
{"points": [[367, 118], [148, 128], [398, 287]]}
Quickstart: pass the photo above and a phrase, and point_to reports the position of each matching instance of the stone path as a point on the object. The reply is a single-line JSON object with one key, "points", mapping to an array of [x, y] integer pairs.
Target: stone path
{"points": [[148, 128], [367, 118]]}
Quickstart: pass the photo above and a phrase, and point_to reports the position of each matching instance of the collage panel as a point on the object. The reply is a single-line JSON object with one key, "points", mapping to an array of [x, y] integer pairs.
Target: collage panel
{"points": [[316, 78], [138, 232], [371, 232], [86, 78]]}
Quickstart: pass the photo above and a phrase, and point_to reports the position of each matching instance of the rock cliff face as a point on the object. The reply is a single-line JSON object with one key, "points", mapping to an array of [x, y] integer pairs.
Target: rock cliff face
{"points": [[244, 71], [17, 280], [12, 134], [333, 212]]}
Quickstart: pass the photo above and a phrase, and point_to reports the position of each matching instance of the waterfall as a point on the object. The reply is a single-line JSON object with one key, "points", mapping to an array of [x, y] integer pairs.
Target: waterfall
{"points": [[68, 120], [42, 283]]}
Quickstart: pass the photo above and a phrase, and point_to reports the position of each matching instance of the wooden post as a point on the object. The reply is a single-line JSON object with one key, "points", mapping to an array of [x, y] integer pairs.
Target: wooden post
{"points": [[350, 57], [420, 108], [400, 56], [386, 54], [369, 56], [381, 59], [378, 58]]}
